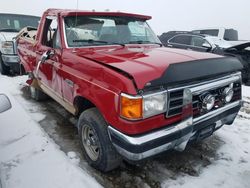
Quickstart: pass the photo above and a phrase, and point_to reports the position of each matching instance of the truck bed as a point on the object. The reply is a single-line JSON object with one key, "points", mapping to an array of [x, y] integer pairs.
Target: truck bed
{"points": [[25, 46], [28, 33]]}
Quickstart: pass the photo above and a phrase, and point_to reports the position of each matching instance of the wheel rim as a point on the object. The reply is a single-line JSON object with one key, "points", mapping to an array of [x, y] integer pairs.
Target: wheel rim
{"points": [[90, 142]]}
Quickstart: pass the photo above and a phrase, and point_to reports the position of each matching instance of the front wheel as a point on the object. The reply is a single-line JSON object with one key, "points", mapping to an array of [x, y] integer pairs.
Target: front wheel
{"points": [[97, 147]]}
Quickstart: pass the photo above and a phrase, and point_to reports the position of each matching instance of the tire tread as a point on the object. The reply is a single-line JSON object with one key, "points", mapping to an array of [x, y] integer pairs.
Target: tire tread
{"points": [[111, 158]]}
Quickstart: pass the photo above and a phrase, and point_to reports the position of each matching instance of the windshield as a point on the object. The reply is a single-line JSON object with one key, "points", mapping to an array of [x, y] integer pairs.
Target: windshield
{"points": [[14, 23], [103, 30]]}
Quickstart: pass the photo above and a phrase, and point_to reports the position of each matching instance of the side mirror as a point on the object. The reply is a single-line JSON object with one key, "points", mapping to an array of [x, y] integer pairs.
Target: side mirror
{"points": [[46, 55], [206, 45], [4, 103]]}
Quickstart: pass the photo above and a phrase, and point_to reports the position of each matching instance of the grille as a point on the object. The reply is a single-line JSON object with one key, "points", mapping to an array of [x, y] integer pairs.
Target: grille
{"points": [[176, 100]]}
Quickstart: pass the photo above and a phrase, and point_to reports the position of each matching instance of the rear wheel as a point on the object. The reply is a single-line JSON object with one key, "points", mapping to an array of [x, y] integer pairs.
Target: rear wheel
{"points": [[37, 94], [97, 147], [4, 70]]}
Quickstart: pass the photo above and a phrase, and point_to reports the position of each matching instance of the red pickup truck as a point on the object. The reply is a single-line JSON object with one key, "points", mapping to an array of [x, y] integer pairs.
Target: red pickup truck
{"points": [[134, 98]]}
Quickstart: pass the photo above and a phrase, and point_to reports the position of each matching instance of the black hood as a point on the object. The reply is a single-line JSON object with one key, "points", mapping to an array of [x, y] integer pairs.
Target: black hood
{"points": [[195, 71]]}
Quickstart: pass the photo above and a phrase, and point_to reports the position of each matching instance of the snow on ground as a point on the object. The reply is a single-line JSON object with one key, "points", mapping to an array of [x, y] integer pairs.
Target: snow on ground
{"points": [[28, 158], [232, 170]]}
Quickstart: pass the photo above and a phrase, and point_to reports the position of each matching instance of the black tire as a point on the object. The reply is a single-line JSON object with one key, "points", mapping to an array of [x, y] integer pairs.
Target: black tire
{"points": [[4, 70], [108, 158], [22, 70], [37, 94]]}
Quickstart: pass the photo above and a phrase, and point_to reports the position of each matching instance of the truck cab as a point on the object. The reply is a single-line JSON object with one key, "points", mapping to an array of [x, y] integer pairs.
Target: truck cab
{"points": [[222, 33]]}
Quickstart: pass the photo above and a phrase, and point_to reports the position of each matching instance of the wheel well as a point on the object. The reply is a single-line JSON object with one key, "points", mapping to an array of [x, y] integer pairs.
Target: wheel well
{"points": [[81, 104]]}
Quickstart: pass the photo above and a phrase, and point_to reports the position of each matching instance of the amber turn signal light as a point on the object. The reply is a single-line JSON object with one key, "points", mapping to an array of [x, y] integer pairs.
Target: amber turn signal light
{"points": [[131, 107]]}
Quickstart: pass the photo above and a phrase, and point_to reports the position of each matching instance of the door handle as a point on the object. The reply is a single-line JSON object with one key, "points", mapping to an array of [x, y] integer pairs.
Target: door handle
{"points": [[37, 69]]}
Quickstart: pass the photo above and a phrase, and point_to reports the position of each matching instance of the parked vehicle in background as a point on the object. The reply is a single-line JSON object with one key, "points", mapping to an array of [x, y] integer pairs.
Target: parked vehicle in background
{"points": [[134, 98], [10, 25], [222, 33], [242, 52], [230, 35], [190, 41], [205, 43]]}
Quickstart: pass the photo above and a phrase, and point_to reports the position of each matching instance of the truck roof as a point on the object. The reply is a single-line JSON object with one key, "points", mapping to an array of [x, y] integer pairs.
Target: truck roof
{"points": [[72, 12]]}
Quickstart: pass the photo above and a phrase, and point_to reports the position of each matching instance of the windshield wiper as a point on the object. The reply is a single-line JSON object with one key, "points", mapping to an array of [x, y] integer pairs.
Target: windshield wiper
{"points": [[91, 41], [144, 42], [9, 30]]}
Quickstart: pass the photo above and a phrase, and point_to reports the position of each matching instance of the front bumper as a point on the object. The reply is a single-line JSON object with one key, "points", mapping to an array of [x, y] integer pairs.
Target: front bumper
{"points": [[136, 148], [10, 60]]}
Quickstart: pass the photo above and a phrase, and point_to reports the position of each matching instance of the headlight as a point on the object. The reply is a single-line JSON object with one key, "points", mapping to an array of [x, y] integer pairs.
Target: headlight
{"points": [[7, 47], [228, 94], [154, 104], [208, 102], [144, 106]]}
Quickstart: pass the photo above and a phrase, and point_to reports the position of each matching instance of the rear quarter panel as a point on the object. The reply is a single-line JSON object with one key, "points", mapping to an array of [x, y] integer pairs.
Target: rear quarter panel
{"points": [[27, 54]]}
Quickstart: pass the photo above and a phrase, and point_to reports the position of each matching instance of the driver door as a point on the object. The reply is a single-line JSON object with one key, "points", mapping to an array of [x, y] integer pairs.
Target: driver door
{"points": [[46, 71]]}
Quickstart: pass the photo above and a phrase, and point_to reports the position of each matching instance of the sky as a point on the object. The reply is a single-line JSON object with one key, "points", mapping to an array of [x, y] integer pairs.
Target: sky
{"points": [[167, 14]]}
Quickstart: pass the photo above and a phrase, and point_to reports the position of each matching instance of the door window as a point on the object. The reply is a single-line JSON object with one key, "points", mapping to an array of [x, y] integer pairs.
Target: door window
{"points": [[181, 39], [199, 42], [50, 34], [56, 39]]}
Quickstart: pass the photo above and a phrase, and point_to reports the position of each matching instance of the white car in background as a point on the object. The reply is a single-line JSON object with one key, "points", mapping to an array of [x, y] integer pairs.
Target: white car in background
{"points": [[10, 25], [218, 42], [213, 44], [191, 41], [221, 33]]}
